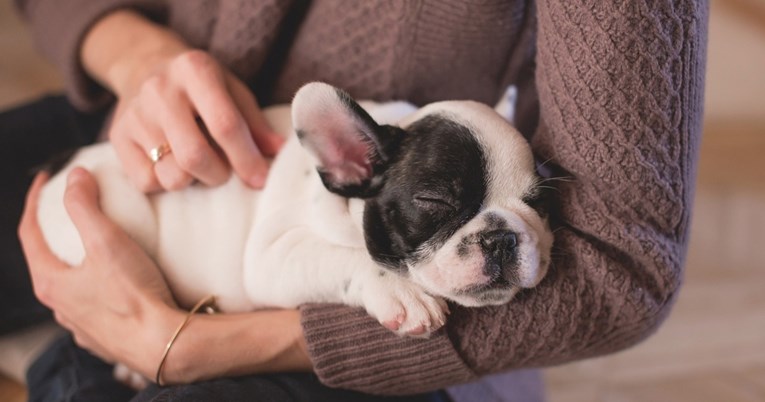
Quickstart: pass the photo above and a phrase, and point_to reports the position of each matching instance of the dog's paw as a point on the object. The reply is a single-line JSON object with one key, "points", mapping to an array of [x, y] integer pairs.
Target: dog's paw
{"points": [[404, 308]]}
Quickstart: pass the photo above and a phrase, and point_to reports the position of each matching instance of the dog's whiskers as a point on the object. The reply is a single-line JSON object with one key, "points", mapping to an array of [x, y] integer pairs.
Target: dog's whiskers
{"points": [[549, 188], [566, 179], [542, 164]]}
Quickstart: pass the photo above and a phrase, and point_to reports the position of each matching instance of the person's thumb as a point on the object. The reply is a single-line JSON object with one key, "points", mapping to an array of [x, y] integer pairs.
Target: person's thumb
{"points": [[82, 203]]}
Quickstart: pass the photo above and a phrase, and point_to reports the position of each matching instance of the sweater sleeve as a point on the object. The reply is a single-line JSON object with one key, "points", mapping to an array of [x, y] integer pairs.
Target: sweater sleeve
{"points": [[620, 95], [59, 27]]}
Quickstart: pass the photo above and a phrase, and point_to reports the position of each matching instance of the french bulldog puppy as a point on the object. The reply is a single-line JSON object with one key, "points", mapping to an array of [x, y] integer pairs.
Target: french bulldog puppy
{"points": [[385, 206]]}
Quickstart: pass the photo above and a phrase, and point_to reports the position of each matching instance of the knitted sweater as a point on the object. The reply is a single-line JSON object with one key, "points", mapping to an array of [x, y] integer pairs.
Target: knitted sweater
{"points": [[610, 97]]}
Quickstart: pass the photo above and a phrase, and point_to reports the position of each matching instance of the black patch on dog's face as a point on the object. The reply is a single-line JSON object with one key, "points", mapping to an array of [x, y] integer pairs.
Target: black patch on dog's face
{"points": [[434, 184]]}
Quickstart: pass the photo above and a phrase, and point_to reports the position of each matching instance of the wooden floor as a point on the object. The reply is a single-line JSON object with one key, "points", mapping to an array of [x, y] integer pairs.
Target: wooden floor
{"points": [[712, 347], [11, 391]]}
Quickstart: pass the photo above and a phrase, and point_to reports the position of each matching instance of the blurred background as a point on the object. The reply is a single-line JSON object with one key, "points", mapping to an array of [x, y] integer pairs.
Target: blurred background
{"points": [[712, 347]]}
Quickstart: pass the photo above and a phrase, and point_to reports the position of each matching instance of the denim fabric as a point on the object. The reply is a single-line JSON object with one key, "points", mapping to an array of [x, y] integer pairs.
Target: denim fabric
{"points": [[66, 373], [293, 387]]}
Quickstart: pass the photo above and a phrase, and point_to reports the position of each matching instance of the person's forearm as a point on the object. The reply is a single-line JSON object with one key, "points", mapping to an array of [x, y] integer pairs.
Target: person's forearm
{"points": [[620, 110], [123, 47], [212, 346]]}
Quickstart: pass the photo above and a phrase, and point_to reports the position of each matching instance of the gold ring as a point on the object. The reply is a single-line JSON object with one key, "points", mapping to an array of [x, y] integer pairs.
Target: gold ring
{"points": [[156, 153]]}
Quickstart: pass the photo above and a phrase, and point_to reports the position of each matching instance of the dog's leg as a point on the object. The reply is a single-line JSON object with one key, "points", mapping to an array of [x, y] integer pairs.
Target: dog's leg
{"points": [[398, 303], [300, 267]]}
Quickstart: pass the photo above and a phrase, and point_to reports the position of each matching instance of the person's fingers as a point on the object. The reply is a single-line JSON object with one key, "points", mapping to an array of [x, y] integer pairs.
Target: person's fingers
{"points": [[268, 141], [145, 176], [44, 266], [135, 161], [149, 131], [81, 200], [169, 175], [220, 114], [191, 150]]}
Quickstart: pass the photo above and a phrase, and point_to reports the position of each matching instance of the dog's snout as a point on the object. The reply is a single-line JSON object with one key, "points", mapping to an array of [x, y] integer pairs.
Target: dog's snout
{"points": [[498, 241], [500, 248]]}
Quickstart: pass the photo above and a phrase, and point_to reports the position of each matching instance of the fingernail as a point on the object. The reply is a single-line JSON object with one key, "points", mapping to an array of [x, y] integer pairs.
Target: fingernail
{"points": [[258, 181], [75, 176], [277, 142]]}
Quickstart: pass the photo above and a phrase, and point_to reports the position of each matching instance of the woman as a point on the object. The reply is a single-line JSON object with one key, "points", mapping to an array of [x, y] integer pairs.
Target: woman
{"points": [[609, 95]]}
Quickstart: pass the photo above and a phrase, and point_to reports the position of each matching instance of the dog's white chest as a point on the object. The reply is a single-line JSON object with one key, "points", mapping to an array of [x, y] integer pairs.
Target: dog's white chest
{"points": [[201, 237]]}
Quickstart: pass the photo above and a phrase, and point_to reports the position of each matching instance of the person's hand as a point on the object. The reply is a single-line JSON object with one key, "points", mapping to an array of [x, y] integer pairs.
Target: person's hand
{"points": [[165, 90], [162, 108], [116, 302]]}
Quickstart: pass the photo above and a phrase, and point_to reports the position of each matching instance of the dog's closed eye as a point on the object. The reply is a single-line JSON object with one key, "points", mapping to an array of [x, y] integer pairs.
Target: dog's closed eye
{"points": [[434, 201]]}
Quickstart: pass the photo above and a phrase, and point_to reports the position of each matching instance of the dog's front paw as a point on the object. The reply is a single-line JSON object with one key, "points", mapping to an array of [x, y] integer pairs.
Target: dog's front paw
{"points": [[404, 308]]}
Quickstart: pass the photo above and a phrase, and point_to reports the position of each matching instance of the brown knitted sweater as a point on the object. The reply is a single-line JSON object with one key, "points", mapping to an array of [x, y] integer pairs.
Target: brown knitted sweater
{"points": [[610, 96]]}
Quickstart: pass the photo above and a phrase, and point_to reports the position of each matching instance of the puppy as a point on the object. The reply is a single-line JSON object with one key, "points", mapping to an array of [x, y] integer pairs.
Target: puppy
{"points": [[384, 206]]}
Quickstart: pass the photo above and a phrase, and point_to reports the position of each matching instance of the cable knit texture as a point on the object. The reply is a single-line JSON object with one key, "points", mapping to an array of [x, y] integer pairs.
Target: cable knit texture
{"points": [[611, 95]]}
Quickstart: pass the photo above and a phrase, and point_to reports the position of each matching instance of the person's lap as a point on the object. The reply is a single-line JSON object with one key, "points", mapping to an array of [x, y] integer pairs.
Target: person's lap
{"points": [[64, 372], [30, 136]]}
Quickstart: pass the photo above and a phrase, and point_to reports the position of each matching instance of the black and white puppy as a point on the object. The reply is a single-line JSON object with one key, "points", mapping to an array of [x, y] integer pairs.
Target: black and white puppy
{"points": [[409, 207]]}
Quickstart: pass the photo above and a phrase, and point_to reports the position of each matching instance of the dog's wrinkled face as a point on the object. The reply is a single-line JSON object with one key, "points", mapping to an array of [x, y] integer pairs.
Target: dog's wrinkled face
{"points": [[449, 194]]}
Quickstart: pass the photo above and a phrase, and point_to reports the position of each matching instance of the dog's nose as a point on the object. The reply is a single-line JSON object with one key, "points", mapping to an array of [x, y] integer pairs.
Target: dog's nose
{"points": [[499, 247], [498, 243]]}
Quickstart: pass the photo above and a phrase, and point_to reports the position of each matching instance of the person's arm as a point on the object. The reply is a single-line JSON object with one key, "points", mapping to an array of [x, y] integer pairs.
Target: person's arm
{"points": [[224, 345], [122, 48], [162, 86], [117, 304], [59, 28], [620, 91]]}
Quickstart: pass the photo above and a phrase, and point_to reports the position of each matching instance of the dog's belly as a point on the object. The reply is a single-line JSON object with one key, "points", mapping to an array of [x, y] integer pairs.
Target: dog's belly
{"points": [[197, 236], [201, 236]]}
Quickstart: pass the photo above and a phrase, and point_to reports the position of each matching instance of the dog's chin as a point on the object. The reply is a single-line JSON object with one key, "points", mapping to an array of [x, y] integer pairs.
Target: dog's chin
{"points": [[491, 297], [468, 294]]}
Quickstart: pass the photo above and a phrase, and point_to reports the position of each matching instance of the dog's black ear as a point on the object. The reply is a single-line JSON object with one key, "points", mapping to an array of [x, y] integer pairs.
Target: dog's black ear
{"points": [[351, 149]]}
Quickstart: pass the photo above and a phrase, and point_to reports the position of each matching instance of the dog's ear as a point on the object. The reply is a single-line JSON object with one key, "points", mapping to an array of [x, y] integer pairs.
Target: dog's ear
{"points": [[351, 149]]}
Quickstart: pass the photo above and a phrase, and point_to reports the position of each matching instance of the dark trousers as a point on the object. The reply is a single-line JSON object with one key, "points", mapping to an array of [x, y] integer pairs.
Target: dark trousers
{"points": [[30, 136], [67, 373]]}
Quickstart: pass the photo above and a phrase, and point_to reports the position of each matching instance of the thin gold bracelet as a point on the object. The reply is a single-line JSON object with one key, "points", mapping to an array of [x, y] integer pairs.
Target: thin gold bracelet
{"points": [[205, 302]]}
